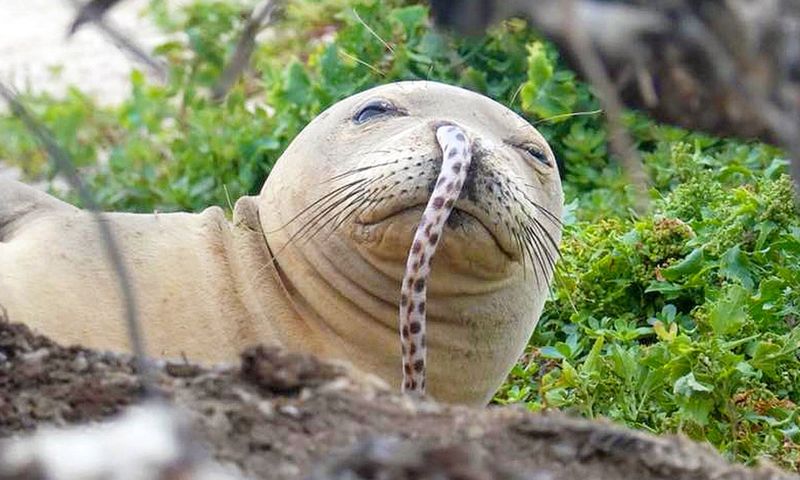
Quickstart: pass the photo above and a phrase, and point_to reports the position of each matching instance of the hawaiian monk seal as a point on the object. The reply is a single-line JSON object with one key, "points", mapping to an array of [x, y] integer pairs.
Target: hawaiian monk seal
{"points": [[315, 262]]}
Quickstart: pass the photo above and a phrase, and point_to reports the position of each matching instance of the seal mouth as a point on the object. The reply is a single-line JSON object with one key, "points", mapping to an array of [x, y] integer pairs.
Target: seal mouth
{"points": [[461, 213]]}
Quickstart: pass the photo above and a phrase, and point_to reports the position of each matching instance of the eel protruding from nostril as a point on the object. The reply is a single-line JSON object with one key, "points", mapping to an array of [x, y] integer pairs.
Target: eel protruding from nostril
{"points": [[456, 157]]}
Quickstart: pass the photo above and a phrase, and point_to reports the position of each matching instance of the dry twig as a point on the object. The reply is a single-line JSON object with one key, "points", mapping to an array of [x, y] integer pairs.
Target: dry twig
{"points": [[94, 12], [90, 10], [619, 138], [260, 17]]}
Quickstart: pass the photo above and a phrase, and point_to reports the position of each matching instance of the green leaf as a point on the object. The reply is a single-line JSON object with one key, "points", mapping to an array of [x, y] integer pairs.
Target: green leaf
{"points": [[557, 397], [546, 93], [697, 408], [746, 369], [410, 18], [663, 334], [666, 288], [569, 375], [551, 352], [564, 349], [687, 386], [592, 362], [729, 314], [692, 263], [540, 68], [734, 265], [624, 362], [297, 85]]}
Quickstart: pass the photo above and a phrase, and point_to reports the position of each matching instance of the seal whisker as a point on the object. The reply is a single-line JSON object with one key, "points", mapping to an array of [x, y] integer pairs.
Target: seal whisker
{"points": [[542, 252], [297, 237], [525, 251], [337, 218], [547, 213], [539, 224], [369, 205], [358, 170], [531, 245], [549, 258], [388, 192], [534, 252], [361, 201], [325, 208], [550, 254], [550, 216], [318, 214], [373, 204], [536, 241], [370, 202], [326, 215], [534, 223], [329, 212], [546, 233], [523, 182], [513, 234], [275, 255], [316, 202]]}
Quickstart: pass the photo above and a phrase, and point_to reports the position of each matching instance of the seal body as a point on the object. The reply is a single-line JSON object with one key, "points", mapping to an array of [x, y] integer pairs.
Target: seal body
{"points": [[315, 261], [188, 272]]}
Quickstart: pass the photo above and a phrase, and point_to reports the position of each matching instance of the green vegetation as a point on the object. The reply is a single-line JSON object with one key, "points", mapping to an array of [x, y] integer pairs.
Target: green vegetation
{"points": [[683, 320]]}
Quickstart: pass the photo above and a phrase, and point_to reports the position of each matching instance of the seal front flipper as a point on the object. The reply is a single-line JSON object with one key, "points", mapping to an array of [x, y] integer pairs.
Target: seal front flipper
{"points": [[19, 203]]}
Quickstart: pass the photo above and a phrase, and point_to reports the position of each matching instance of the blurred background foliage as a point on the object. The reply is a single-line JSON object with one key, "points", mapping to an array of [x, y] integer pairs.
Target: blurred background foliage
{"points": [[682, 320]]}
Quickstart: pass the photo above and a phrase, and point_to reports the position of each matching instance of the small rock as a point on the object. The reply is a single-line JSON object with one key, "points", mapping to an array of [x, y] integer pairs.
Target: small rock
{"points": [[290, 411], [277, 370], [36, 356], [182, 370], [80, 364]]}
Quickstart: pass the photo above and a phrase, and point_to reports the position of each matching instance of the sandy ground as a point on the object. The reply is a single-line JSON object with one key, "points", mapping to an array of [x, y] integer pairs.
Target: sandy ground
{"points": [[33, 46], [36, 55]]}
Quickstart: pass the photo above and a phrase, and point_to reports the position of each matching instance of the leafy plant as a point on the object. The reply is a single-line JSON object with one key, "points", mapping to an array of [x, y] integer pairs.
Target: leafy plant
{"points": [[685, 320]]}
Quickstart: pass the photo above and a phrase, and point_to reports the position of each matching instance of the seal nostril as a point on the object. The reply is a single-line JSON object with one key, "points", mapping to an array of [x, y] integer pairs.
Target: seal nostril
{"points": [[441, 123]]}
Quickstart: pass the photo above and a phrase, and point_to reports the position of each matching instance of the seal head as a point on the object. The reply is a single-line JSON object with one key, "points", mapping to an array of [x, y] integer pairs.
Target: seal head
{"points": [[340, 209]]}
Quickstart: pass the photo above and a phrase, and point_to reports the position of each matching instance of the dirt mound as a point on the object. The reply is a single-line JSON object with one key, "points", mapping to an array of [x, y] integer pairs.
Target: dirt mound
{"points": [[287, 416]]}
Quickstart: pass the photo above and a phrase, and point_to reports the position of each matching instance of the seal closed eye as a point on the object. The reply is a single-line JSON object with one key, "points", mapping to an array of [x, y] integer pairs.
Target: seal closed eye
{"points": [[537, 153], [315, 262], [375, 108]]}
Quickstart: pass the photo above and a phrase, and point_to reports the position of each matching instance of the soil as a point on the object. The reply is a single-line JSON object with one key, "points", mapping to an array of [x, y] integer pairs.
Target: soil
{"points": [[286, 415]]}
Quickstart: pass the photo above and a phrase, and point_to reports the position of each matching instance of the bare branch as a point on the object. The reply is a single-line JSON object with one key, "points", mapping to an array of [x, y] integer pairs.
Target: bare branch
{"points": [[260, 17], [620, 140], [92, 9], [93, 12]]}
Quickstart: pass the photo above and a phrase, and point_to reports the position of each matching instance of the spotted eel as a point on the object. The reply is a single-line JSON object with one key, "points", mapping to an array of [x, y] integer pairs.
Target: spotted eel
{"points": [[456, 157]]}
